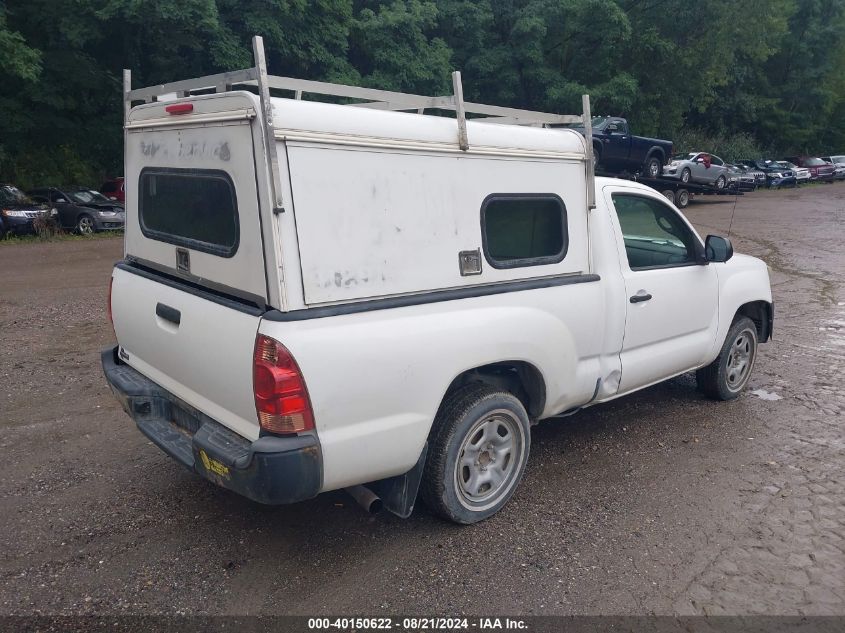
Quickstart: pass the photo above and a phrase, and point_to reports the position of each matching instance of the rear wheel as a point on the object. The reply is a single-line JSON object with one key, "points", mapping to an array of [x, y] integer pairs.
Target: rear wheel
{"points": [[653, 167], [727, 376], [85, 225], [669, 195], [682, 198], [477, 454]]}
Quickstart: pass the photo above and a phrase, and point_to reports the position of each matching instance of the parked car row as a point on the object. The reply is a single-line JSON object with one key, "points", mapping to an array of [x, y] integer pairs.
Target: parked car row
{"points": [[708, 169], [76, 209]]}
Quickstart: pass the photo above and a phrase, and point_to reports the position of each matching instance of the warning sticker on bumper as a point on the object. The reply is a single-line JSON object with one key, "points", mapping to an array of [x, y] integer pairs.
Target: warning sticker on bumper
{"points": [[212, 465]]}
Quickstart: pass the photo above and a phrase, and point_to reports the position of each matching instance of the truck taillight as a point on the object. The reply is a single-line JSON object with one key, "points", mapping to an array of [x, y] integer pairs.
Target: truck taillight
{"points": [[281, 397]]}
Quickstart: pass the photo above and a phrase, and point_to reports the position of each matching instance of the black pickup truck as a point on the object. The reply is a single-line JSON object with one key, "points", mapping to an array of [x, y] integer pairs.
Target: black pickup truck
{"points": [[616, 149]]}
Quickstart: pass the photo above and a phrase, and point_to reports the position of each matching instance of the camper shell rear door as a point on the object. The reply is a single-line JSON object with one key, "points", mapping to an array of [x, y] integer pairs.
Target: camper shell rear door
{"points": [[193, 197]]}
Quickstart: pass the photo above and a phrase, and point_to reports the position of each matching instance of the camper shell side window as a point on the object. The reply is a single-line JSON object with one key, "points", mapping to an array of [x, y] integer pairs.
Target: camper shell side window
{"points": [[195, 208], [524, 229]]}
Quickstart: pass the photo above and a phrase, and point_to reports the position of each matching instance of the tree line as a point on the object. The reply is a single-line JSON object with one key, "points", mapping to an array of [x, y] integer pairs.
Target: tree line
{"points": [[756, 76]]}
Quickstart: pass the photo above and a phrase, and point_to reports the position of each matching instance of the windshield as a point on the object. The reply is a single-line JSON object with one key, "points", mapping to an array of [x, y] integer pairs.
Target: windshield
{"points": [[689, 156], [839, 160], [12, 195], [87, 196], [786, 164], [814, 162], [598, 123]]}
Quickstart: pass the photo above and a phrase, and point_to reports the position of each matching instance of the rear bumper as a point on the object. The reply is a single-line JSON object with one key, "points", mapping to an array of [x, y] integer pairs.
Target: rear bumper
{"points": [[272, 470]]}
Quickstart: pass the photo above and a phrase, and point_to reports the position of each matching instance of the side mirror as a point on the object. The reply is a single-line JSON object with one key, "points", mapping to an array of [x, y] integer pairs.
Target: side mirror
{"points": [[718, 249]]}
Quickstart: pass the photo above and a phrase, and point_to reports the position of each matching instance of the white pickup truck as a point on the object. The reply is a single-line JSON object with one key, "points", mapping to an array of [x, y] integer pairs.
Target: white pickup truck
{"points": [[318, 297]]}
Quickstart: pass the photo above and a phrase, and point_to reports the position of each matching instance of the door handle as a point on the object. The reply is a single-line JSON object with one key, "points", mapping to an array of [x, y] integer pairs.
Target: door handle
{"points": [[640, 298], [168, 314]]}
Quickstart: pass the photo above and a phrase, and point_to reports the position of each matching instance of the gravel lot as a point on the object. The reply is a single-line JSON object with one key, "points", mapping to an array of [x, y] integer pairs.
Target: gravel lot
{"points": [[663, 502]]}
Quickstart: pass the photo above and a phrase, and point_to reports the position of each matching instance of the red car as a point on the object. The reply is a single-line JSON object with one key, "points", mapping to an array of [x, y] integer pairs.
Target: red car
{"points": [[114, 189], [819, 169]]}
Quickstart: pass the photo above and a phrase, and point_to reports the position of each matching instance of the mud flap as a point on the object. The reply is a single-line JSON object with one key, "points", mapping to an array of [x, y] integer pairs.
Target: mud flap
{"points": [[398, 494]]}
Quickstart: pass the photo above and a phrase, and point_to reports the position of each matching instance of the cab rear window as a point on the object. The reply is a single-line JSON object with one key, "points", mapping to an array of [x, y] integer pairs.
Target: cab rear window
{"points": [[194, 208]]}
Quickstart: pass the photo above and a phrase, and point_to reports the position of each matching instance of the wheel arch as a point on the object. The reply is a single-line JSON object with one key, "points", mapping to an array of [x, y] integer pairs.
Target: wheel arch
{"points": [[518, 377], [762, 314], [658, 151]]}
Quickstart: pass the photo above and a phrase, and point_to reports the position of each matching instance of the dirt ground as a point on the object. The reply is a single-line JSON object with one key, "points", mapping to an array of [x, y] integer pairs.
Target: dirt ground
{"points": [[662, 503]]}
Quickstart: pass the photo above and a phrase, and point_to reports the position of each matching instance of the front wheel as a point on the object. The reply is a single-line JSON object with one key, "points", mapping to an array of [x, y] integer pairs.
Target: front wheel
{"points": [[85, 225], [477, 454], [682, 198], [685, 175], [726, 377], [720, 182]]}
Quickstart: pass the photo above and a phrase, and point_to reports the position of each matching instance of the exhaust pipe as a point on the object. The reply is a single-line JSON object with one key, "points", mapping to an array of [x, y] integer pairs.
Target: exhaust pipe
{"points": [[366, 498]]}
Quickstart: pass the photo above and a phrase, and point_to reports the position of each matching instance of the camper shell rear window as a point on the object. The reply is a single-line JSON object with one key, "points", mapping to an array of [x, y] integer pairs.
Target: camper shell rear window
{"points": [[195, 208]]}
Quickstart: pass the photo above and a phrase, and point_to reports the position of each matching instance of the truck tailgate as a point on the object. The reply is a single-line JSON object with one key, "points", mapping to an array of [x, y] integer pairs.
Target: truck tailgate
{"points": [[198, 348]]}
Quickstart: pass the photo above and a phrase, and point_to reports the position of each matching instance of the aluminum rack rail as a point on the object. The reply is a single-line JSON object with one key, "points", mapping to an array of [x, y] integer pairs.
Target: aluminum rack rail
{"points": [[367, 98]]}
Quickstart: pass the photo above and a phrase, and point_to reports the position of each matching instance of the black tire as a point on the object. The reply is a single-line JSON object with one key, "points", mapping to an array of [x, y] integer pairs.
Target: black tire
{"points": [[727, 376], [469, 425], [653, 167], [721, 181], [682, 198], [85, 225], [686, 174], [669, 195], [596, 157]]}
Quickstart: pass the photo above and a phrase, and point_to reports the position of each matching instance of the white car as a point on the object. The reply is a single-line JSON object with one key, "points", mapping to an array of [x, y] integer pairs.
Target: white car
{"points": [[802, 174], [330, 296], [698, 167]]}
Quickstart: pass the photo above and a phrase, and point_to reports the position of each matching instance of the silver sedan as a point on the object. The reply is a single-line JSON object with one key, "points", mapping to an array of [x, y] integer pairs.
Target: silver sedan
{"points": [[698, 167]]}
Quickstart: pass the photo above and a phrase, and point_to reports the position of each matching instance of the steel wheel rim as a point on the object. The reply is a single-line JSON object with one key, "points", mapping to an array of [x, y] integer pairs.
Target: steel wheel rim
{"points": [[654, 169], [741, 357], [86, 226], [489, 460]]}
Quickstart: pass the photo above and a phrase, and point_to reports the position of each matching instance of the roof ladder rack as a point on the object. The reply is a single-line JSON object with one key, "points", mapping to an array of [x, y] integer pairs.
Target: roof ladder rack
{"points": [[366, 98]]}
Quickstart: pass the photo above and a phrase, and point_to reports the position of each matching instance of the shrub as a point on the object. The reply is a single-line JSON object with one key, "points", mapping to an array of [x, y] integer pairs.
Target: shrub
{"points": [[46, 226]]}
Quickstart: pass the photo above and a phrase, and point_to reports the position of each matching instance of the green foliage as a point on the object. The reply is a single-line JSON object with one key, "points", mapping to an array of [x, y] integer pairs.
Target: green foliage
{"points": [[724, 76], [16, 58], [392, 48]]}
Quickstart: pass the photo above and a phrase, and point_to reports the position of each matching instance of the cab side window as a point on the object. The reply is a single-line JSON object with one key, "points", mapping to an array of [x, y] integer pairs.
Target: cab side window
{"points": [[655, 235]]}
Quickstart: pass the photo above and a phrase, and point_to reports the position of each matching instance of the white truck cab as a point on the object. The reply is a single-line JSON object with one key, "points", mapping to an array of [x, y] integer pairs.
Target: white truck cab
{"points": [[318, 296]]}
